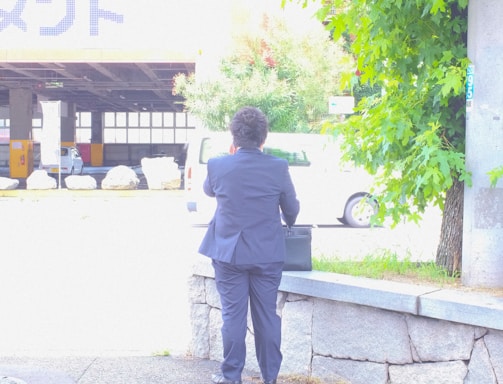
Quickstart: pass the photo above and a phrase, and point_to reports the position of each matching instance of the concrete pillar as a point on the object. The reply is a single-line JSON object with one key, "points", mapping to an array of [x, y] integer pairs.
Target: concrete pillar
{"points": [[68, 124], [21, 143], [21, 113], [97, 139], [483, 207]]}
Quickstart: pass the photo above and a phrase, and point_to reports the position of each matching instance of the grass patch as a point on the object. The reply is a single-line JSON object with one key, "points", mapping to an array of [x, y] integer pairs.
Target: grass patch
{"points": [[387, 266], [164, 353]]}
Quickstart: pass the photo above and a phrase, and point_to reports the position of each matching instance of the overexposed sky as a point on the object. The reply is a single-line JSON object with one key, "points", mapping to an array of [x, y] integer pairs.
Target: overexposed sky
{"points": [[131, 30]]}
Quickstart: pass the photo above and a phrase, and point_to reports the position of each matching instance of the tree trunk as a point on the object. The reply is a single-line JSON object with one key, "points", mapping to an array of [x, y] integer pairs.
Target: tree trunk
{"points": [[451, 234]]}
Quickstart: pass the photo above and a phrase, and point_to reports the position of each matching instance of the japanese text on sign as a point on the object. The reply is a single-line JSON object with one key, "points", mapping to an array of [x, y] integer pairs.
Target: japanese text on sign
{"points": [[470, 73], [469, 82], [13, 17]]}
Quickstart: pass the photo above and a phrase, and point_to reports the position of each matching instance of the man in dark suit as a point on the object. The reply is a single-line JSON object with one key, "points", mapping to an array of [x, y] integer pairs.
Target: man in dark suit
{"points": [[246, 243]]}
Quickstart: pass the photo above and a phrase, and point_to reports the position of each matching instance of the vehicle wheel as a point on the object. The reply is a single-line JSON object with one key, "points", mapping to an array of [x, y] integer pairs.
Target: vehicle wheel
{"points": [[359, 210]]}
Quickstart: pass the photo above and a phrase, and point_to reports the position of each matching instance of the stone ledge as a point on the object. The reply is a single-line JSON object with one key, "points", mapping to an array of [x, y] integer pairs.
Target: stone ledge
{"points": [[460, 307], [463, 307], [382, 294]]}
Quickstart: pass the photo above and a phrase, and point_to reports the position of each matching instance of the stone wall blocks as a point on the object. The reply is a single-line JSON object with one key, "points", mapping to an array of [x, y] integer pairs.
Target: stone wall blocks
{"points": [[452, 372], [212, 297], [494, 344], [349, 331], [197, 292], [350, 342], [280, 302], [200, 330], [355, 372], [296, 297], [296, 337], [480, 370], [480, 332], [438, 340]]}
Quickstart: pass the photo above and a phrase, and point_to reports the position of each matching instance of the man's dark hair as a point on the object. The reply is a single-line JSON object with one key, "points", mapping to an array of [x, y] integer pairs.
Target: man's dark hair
{"points": [[249, 128]]}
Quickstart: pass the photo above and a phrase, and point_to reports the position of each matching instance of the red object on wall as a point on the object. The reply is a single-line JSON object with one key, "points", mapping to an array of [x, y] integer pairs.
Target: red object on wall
{"points": [[85, 152]]}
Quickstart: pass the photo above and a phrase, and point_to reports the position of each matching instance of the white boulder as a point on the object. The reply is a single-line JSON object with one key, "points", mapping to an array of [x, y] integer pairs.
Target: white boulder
{"points": [[120, 177], [40, 179], [80, 182], [160, 172], [8, 183]]}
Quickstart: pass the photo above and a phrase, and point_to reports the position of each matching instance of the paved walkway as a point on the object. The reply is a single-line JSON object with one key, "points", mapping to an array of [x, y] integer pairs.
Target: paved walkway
{"points": [[118, 370], [107, 370]]}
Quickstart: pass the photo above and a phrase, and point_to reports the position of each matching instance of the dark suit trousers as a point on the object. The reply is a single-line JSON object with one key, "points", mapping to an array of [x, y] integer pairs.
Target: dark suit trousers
{"points": [[259, 283]]}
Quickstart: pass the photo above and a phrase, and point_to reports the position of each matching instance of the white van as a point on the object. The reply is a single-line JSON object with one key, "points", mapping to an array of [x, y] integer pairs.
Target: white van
{"points": [[329, 192], [71, 162]]}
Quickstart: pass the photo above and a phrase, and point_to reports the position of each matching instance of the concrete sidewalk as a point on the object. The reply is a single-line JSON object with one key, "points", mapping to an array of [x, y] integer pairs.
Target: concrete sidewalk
{"points": [[111, 370]]}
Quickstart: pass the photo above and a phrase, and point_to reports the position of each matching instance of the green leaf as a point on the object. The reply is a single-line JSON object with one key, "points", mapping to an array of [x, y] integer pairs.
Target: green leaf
{"points": [[494, 175], [438, 6]]}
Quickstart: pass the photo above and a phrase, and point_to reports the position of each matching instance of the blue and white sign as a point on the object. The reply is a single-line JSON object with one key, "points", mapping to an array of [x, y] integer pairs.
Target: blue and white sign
{"points": [[470, 73]]}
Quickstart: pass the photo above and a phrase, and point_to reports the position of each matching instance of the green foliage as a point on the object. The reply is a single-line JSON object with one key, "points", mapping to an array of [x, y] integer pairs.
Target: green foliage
{"points": [[287, 74], [412, 134], [494, 175]]}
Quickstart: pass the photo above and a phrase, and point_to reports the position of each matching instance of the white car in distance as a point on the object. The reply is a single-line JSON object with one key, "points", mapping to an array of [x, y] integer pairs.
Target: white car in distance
{"points": [[71, 163], [329, 191]]}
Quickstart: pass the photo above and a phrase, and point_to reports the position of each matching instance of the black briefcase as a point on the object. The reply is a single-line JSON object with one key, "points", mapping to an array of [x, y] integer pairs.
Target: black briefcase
{"points": [[298, 249]]}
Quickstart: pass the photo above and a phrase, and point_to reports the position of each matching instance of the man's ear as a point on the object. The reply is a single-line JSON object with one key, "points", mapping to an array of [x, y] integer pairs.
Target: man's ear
{"points": [[232, 149]]}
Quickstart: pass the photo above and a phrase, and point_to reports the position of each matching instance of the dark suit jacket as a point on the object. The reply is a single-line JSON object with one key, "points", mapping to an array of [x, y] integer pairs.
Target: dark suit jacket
{"points": [[251, 188]]}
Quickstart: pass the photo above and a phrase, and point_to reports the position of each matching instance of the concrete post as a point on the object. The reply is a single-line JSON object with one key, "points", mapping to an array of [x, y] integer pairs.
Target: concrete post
{"points": [[96, 139], [483, 206], [68, 124], [21, 143], [21, 113]]}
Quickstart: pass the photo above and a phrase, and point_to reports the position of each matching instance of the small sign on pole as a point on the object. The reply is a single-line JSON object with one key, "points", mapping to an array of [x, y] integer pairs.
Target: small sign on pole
{"points": [[470, 75], [341, 105]]}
